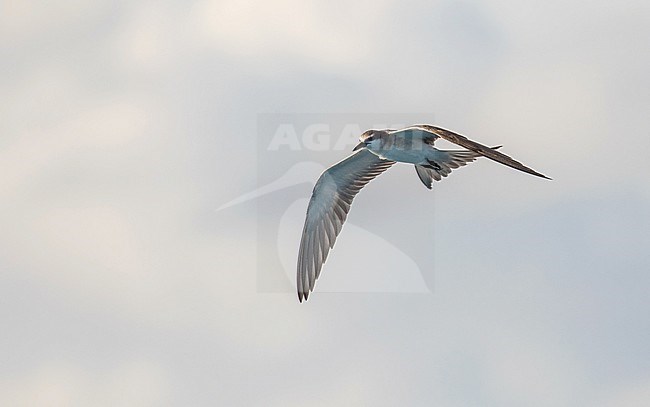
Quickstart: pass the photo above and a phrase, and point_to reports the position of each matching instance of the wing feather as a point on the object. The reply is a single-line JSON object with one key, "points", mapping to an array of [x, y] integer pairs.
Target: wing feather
{"points": [[478, 148], [447, 161], [328, 208]]}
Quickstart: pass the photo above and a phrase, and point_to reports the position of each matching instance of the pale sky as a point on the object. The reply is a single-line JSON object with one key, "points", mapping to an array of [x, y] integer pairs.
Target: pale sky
{"points": [[125, 125]]}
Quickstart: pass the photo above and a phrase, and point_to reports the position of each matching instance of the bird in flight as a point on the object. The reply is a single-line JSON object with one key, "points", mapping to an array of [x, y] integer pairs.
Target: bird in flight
{"points": [[376, 152]]}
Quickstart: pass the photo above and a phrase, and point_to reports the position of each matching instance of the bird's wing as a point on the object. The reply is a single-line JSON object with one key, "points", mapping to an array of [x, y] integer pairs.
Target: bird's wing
{"points": [[478, 148], [328, 208], [442, 166]]}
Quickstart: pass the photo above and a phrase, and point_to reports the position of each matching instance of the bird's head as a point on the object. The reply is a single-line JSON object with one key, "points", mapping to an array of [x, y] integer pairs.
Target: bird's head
{"points": [[371, 139]]}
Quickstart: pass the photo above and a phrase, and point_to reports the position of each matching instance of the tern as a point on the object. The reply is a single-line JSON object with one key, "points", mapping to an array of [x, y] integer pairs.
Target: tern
{"points": [[376, 152]]}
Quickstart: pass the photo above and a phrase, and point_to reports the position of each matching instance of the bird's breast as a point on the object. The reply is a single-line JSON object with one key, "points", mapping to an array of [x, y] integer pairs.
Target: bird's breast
{"points": [[411, 154]]}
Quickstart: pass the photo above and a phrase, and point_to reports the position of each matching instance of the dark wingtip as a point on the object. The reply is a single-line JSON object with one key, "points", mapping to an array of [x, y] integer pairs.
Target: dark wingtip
{"points": [[542, 176]]}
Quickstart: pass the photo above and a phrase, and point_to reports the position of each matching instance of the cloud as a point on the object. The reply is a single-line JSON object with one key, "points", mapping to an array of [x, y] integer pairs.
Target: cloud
{"points": [[306, 31], [132, 383], [631, 395], [524, 369], [25, 20], [124, 125]]}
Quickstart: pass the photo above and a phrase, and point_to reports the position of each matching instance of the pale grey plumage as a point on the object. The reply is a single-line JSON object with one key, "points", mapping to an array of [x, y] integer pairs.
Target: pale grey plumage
{"points": [[377, 151], [478, 148], [455, 159], [328, 208]]}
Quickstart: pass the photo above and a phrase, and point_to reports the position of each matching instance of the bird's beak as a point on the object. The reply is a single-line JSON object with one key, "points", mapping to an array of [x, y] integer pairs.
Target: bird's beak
{"points": [[358, 146]]}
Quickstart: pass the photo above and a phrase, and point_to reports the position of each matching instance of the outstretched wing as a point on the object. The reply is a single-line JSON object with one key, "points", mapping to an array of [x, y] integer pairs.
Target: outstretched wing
{"points": [[443, 165], [328, 208], [478, 148]]}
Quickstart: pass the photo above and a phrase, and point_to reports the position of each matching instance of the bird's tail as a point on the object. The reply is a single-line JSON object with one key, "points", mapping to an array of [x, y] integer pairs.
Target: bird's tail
{"points": [[437, 171]]}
